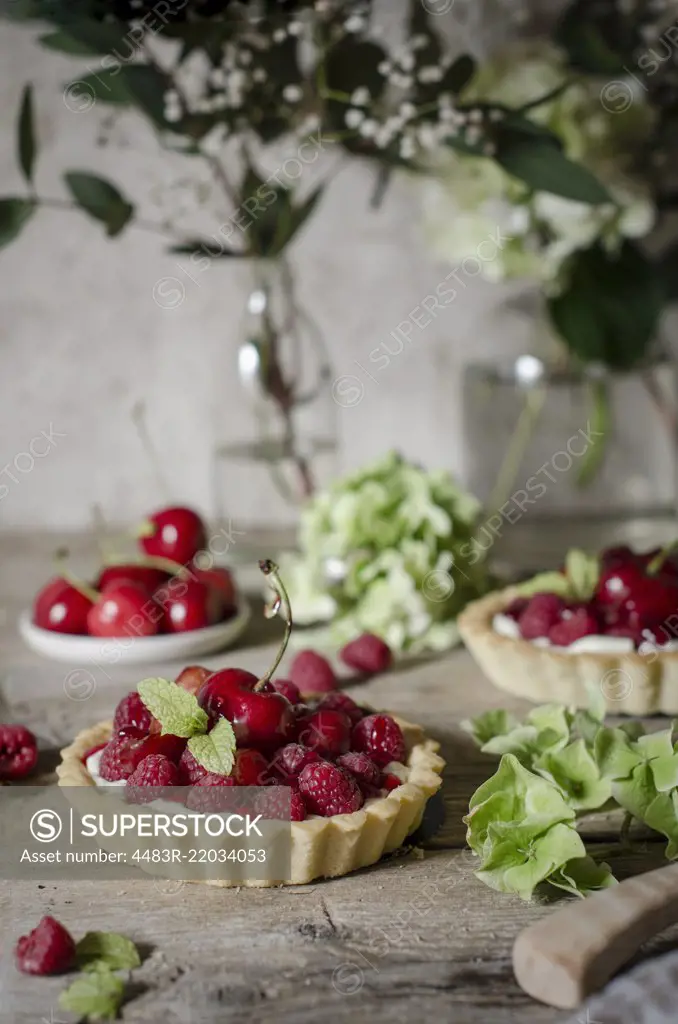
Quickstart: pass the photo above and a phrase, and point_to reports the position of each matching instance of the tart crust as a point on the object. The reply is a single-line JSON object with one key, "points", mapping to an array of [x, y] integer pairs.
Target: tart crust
{"points": [[631, 683], [321, 847]]}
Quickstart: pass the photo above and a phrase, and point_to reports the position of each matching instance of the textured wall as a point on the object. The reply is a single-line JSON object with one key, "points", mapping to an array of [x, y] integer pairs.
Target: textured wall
{"points": [[83, 339]]}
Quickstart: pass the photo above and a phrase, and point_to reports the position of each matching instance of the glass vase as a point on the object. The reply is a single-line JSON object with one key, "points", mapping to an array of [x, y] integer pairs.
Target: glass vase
{"points": [[567, 457], [287, 443]]}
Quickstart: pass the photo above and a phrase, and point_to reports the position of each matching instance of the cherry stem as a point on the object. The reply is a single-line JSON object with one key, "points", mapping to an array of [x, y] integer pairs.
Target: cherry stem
{"points": [[658, 561], [281, 600], [60, 558]]}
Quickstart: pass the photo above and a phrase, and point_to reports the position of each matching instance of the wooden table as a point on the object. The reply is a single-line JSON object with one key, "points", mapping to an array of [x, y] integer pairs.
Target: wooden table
{"points": [[416, 936]]}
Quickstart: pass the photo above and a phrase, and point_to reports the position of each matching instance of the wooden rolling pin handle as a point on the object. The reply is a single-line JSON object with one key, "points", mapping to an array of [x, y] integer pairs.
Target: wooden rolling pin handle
{"points": [[573, 952]]}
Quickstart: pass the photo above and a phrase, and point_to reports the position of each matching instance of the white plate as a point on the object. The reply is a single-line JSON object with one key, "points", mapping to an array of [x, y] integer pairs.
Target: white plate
{"points": [[140, 650]]}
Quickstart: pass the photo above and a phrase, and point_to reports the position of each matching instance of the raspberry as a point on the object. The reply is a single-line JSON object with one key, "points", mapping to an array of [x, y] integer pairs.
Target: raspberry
{"points": [[250, 768], [364, 771], [340, 701], [192, 677], [328, 732], [290, 760], [389, 781], [155, 770], [48, 949], [92, 750], [329, 790], [312, 673], [542, 612], [191, 770], [287, 688], [575, 622], [516, 608], [207, 795], [274, 803], [380, 737], [132, 711], [18, 751], [368, 654], [124, 752]]}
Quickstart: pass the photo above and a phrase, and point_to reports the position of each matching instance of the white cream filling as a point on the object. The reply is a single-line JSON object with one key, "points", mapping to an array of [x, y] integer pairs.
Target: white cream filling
{"points": [[504, 625]]}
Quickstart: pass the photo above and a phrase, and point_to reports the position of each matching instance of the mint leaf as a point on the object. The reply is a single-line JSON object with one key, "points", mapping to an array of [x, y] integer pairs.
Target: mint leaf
{"points": [[95, 995], [583, 573], [116, 951], [545, 582], [176, 709], [216, 750]]}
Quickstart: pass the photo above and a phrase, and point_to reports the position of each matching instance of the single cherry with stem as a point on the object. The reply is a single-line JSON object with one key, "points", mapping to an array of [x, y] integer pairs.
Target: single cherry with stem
{"points": [[260, 719]]}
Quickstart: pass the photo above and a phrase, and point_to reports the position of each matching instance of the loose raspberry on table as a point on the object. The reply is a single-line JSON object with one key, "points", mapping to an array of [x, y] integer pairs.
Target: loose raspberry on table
{"points": [[328, 732], [312, 673], [287, 688], [340, 701], [542, 612], [132, 711], [381, 737], [154, 771], [367, 653], [18, 752], [363, 769], [328, 790], [48, 949]]}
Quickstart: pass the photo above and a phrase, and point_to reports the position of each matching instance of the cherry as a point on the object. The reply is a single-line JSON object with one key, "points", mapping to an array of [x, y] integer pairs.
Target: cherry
{"points": [[121, 610], [327, 732], [192, 677], [145, 575], [619, 555], [193, 606], [61, 607], [618, 582], [221, 580], [260, 719], [175, 533], [651, 603], [251, 767]]}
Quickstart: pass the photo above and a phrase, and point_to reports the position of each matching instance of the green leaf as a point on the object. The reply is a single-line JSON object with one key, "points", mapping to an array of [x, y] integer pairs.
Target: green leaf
{"points": [[147, 87], [615, 754], [485, 727], [95, 995], [582, 876], [516, 798], [26, 134], [609, 310], [545, 582], [546, 169], [511, 867], [205, 247], [458, 75], [100, 200], [601, 427], [13, 215], [216, 750], [106, 86], [577, 775], [583, 573], [116, 951], [599, 39], [668, 268], [176, 709]]}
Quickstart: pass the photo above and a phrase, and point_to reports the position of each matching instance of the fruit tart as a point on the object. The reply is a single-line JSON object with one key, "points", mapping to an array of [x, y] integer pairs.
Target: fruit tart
{"points": [[606, 624], [359, 780]]}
